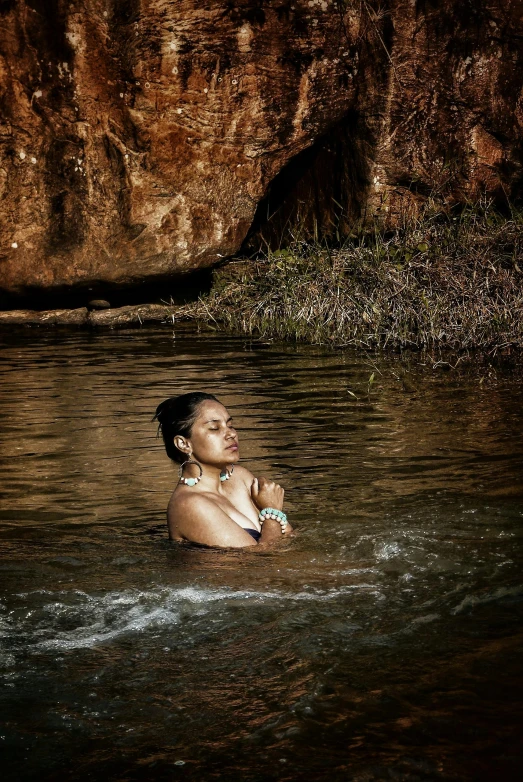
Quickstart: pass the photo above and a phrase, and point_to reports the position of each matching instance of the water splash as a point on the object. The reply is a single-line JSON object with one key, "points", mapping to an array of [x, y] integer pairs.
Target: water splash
{"points": [[74, 619]]}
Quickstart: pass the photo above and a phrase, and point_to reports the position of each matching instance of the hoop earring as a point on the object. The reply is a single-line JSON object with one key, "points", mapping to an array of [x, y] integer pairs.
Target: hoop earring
{"points": [[190, 481], [226, 474]]}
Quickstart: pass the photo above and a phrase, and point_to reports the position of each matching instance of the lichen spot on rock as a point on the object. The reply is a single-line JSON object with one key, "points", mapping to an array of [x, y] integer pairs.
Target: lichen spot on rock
{"points": [[245, 37]]}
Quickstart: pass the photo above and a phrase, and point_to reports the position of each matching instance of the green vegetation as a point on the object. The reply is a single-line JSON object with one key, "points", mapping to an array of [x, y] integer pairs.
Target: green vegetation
{"points": [[446, 280]]}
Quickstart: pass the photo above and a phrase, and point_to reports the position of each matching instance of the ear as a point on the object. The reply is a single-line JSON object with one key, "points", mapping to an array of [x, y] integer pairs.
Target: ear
{"points": [[182, 444]]}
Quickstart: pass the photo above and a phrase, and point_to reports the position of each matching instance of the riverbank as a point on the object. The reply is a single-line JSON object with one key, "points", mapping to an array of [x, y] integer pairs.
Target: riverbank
{"points": [[445, 281]]}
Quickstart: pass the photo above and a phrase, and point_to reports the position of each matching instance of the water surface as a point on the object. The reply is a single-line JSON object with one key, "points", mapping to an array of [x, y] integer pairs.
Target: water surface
{"points": [[383, 642]]}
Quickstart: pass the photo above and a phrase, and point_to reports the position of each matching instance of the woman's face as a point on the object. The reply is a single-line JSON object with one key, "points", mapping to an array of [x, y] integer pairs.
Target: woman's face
{"points": [[213, 438]]}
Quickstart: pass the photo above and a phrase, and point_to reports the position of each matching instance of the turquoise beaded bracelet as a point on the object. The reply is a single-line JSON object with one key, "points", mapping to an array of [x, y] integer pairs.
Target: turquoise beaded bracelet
{"points": [[277, 515]]}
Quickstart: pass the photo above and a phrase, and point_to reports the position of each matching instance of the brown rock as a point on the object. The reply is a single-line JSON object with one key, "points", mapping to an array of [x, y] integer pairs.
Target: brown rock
{"points": [[131, 315], [139, 137], [120, 316], [77, 317], [98, 304]]}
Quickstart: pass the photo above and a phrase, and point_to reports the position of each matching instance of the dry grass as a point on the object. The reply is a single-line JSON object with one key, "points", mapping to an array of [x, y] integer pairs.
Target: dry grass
{"points": [[446, 280]]}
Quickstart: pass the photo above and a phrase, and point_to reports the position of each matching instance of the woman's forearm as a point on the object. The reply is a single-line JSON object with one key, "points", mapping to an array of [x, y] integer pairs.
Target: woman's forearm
{"points": [[272, 534]]}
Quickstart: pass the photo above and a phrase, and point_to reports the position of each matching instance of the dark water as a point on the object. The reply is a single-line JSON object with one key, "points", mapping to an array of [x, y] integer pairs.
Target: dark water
{"points": [[384, 642]]}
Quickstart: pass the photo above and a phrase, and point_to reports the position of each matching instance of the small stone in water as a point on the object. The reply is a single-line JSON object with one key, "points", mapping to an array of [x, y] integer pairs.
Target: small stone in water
{"points": [[179, 762], [71, 561], [293, 731], [126, 560]]}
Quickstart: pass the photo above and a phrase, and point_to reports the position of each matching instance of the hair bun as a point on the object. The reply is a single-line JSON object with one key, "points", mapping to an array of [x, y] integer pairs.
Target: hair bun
{"points": [[177, 415]]}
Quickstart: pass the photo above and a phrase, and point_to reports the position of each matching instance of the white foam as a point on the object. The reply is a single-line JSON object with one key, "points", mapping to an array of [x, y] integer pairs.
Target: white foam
{"points": [[386, 551], [470, 601], [91, 620]]}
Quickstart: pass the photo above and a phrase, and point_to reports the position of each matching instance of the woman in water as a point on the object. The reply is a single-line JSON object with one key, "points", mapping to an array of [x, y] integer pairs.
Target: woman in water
{"points": [[216, 502]]}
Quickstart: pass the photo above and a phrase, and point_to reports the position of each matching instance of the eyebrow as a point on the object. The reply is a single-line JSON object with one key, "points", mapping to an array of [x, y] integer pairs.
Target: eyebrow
{"points": [[218, 420]]}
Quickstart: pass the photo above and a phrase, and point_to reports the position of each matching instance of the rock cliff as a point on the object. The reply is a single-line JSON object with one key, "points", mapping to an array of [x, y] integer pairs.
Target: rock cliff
{"points": [[141, 139]]}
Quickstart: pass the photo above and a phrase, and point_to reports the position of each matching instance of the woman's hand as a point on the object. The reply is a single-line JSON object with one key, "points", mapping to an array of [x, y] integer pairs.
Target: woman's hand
{"points": [[266, 494]]}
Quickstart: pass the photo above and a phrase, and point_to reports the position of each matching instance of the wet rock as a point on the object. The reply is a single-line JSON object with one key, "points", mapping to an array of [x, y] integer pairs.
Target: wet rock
{"points": [[98, 304], [68, 562], [77, 317], [138, 139], [132, 315], [126, 560]]}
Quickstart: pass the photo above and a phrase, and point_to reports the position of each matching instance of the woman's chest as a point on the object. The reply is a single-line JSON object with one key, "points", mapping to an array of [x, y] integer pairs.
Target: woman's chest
{"points": [[237, 503]]}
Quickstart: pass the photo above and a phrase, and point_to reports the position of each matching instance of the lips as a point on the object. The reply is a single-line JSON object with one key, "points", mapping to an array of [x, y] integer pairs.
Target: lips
{"points": [[233, 447]]}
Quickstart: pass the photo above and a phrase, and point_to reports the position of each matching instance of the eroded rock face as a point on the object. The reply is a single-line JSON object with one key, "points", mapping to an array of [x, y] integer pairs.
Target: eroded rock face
{"points": [[438, 111], [138, 137]]}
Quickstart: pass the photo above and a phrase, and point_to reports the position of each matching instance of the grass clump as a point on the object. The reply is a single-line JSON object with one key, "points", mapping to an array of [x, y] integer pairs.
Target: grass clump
{"points": [[447, 279]]}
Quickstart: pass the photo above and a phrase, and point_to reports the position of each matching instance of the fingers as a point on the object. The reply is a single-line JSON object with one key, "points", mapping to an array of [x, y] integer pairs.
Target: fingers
{"points": [[265, 483], [266, 493]]}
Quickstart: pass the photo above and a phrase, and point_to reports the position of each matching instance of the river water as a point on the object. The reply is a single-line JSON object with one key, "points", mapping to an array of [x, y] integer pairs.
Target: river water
{"points": [[383, 643]]}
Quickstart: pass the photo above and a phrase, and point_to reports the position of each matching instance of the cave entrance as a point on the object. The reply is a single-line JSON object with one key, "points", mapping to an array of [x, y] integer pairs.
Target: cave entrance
{"points": [[320, 194]]}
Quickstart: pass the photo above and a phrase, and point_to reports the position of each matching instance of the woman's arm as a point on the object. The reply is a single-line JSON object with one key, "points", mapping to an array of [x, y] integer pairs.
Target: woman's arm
{"points": [[200, 520], [267, 494]]}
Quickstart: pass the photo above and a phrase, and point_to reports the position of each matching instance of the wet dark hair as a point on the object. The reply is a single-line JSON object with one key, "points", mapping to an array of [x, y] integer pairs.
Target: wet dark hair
{"points": [[176, 416]]}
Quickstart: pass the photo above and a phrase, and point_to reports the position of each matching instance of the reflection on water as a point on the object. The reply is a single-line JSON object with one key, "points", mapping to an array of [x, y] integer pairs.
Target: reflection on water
{"points": [[383, 642]]}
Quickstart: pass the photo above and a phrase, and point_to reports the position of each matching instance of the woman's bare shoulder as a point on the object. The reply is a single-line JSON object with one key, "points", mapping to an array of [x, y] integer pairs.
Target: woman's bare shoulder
{"points": [[198, 519], [184, 500], [184, 508], [244, 474]]}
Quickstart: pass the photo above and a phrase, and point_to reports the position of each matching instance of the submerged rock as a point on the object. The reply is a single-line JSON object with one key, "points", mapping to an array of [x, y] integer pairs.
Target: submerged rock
{"points": [[139, 138]]}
